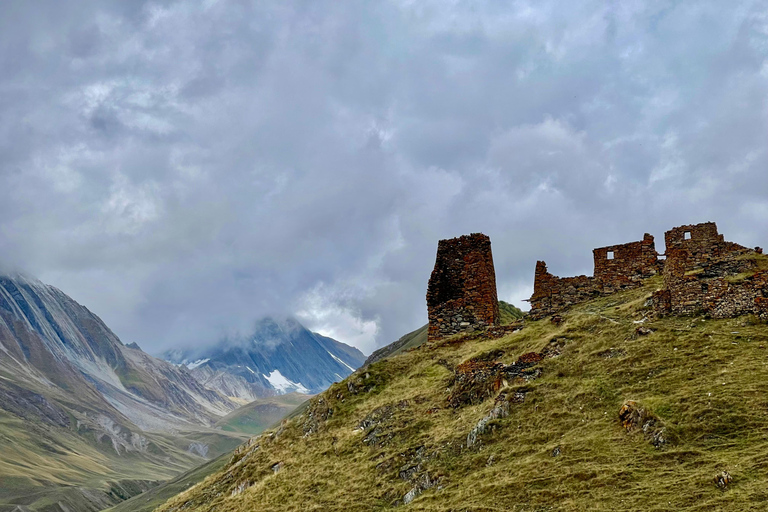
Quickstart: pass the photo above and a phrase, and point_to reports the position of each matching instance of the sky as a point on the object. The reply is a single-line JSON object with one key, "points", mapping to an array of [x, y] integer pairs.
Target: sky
{"points": [[183, 168]]}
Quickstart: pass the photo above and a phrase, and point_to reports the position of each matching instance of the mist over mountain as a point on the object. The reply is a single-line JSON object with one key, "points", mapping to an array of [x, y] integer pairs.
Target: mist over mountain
{"points": [[280, 356]]}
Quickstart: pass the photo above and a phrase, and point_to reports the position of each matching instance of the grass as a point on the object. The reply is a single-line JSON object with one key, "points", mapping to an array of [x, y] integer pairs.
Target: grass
{"points": [[259, 415], [706, 381]]}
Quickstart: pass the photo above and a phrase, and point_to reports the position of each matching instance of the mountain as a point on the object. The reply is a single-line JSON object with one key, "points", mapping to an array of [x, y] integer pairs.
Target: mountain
{"points": [[280, 356], [607, 408], [86, 421]]}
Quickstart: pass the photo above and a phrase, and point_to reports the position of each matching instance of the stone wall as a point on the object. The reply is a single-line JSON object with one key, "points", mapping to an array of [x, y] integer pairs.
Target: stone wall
{"points": [[701, 243], [552, 294], [626, 265], [461, 294], [617, 267], [704, 274]]}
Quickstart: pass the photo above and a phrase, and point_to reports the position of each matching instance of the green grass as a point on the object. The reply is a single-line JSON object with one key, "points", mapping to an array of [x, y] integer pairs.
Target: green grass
{"points": [[706, 381], [155, 497], [257, 416]]}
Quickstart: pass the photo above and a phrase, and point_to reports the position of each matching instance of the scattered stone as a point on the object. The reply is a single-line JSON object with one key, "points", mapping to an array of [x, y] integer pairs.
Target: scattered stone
{"points": [[633, 417], [556, 319], [643, 331], [490, 461], [474, 381], [612, 352], [375, 424], [424, 483], [530, 357], [723, 479], [554, 348], [556, 451], [318, 413], [500, 410], [276, 467]]}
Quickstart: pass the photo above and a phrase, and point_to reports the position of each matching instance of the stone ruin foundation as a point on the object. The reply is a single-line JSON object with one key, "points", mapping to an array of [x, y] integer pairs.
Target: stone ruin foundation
{"points": [[703, 274], [461, 295]]}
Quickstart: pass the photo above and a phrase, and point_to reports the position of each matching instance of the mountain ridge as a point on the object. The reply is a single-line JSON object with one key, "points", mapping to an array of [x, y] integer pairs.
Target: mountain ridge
{"points": [[278, 356], [79, 409]]}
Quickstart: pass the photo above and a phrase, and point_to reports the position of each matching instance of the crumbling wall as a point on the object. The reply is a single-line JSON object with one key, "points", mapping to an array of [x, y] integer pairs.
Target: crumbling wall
{"points": [[552, 294], [704, 274], [617, 267], [701, 243], [626, 265], [461, 294]]}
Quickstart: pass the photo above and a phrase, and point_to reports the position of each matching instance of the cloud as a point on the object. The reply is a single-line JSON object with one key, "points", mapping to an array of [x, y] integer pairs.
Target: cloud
{"points": [[184, 168]]}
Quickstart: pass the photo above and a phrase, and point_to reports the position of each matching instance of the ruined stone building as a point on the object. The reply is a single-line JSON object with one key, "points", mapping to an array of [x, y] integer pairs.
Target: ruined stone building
{"points": [[461, 294], [617, 267], [703, 274]]}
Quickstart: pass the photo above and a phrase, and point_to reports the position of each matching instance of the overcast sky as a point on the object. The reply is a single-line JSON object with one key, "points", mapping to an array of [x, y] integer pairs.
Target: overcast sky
{"points": [[184, 168]]}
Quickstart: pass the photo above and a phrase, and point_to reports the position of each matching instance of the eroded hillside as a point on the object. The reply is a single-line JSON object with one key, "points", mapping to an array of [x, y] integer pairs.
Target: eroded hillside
{"points": [[528, 421]]}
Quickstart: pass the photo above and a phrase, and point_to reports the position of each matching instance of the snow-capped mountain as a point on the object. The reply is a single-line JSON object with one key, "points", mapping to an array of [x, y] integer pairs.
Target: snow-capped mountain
{"points": [[280, 356]]}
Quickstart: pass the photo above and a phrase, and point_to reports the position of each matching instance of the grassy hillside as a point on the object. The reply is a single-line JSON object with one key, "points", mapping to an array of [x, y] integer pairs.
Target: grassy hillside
{"points": [[259, 415], [157, 496], [250, 419], [528, 422], [48, 468], [507, 313]]}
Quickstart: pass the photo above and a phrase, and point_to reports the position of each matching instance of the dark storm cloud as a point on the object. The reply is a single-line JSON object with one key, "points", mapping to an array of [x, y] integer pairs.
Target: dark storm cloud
{"points": [[183, 168]]}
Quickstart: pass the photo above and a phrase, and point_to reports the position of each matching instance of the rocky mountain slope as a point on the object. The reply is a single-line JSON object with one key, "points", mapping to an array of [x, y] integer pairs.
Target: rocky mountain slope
{"points": [[78, 409], [254, 417], [608, 408], [280, 356]]}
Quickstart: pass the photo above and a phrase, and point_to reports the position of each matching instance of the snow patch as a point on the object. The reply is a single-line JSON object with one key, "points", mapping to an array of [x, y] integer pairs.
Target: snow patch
{"points": [[197, 363], [283, 385], [253, 372], [338, 360]]}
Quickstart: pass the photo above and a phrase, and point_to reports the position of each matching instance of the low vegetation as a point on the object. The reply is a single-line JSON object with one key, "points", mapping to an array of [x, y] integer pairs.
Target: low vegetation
{"points": [[544, 433]]}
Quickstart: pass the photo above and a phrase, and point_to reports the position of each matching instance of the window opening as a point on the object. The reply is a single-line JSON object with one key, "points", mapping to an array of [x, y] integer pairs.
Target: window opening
{"points": [[609, 255], [687, 235]]}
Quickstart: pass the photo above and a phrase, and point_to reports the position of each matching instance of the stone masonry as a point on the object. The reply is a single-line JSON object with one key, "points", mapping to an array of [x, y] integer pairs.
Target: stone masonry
{"points": [[617, 267], [461, 295], [703, 274]]}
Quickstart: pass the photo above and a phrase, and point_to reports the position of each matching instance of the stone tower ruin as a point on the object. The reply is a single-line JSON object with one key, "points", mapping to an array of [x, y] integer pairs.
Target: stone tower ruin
{"points": [[461, 294]]}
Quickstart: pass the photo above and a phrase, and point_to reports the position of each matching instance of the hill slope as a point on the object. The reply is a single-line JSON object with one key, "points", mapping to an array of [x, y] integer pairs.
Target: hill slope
{"points": [[86, 421], [529, 421]]}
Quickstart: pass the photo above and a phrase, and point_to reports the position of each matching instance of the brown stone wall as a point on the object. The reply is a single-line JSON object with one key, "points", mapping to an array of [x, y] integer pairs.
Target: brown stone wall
{"points": [[552, 294], [704, 274], [461, 294], [701, 242], [631, 263]]}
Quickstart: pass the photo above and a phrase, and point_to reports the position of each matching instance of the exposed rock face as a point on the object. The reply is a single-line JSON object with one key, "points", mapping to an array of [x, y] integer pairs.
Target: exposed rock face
{"points": [[462, 289], [617, 267]]}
